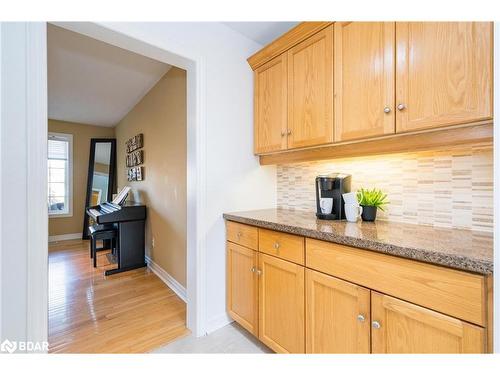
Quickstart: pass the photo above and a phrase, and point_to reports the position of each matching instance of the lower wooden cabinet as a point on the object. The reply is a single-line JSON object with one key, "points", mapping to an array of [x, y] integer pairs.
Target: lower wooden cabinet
{"points": [[335, 308], [337, 315], [281, 304], [242, 286], [402, 327]]}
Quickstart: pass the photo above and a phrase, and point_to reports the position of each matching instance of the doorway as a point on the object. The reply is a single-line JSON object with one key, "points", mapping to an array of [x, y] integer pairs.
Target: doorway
{"points": [[31, 37]]}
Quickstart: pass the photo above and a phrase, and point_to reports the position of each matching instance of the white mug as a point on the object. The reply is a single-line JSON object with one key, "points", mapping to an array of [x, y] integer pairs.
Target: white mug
{"points": [[353, 212], [350, 198], [326, 205]]}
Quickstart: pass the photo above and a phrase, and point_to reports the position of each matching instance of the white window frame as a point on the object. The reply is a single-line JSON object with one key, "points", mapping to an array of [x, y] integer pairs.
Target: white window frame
{"points": [[69, 175]]}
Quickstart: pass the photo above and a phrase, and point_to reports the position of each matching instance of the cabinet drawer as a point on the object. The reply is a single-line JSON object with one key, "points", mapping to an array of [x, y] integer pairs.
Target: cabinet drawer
{"points": [[455, 293], [242, 234], [282, 245]]}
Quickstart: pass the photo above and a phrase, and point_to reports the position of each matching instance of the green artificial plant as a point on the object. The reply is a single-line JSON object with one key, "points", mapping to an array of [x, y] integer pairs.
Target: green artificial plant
{"points": [[373, 197]]}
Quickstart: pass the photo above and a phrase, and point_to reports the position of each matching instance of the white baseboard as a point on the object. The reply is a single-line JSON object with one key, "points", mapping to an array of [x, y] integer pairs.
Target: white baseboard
{"points": [[218, 322], [64, 237], [167, 279]]}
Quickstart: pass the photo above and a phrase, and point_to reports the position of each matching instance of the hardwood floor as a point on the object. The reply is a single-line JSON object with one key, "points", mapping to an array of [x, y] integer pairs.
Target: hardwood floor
{"points": [[132, 312]]}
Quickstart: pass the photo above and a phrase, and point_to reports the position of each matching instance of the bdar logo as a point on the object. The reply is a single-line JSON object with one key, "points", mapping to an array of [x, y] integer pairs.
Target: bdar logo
{"points": [[8, 346]]}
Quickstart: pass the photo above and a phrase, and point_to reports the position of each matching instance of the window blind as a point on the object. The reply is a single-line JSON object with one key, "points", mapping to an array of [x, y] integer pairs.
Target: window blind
{"points": [[58, 149]]}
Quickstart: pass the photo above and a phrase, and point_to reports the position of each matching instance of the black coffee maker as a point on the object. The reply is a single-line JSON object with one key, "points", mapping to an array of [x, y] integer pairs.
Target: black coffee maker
{"points": [[329, 190]]}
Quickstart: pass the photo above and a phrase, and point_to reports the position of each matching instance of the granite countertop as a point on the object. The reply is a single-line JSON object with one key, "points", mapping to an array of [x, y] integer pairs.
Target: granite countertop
{"points": [[456, 248]]}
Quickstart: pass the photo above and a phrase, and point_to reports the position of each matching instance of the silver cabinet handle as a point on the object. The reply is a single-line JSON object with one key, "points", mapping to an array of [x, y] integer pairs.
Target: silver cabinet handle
{"points": [[387, 109], [375, 324], [259, 272], [361, 318], [253, 269], [401, 106], [276, 245], [289, 132], [283, 134]]}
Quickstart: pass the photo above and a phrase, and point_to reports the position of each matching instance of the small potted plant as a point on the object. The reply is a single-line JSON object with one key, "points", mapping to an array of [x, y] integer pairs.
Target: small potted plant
{"points": [[370, 200]]}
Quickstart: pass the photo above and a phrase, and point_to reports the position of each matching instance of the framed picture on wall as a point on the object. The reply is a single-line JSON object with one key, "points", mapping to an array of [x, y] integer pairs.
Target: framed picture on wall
{"points": [[135, 174], [134, 143], [134, 158]]}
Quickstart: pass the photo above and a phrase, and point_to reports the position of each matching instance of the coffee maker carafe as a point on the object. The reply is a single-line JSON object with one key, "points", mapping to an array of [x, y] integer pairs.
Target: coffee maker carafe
{"points": [[329, 190]]}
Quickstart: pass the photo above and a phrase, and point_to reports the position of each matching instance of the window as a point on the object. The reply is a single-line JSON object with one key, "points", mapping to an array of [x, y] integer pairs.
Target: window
{"points": [[60, 174]]}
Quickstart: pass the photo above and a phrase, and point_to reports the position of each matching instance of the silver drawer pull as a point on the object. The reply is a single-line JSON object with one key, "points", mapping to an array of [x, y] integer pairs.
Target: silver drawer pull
{"points": [[276, 245], [361, 318], [375, 324]]}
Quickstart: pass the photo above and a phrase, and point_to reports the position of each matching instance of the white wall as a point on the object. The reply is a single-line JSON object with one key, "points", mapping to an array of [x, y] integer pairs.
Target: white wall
{"points": [[235, 181], [13, 199], [23, 193]]}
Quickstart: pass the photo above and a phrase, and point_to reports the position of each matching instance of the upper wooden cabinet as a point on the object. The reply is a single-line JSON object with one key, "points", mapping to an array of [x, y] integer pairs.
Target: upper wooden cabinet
{"points": [[310, 91], [271, 127], [369, 81], [443, 74], [401, 327], [364, 79]]}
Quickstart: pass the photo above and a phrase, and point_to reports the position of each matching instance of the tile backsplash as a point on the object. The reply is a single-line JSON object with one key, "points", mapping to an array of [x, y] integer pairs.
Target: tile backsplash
{"points": [[446, 188]]}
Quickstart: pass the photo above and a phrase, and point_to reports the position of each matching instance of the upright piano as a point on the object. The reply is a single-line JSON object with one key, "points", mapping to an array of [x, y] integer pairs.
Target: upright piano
{"points": [[130, 219]]}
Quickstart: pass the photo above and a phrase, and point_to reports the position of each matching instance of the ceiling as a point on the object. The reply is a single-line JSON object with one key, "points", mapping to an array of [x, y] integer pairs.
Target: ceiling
{"points": [[92, 82], [261, 32]]}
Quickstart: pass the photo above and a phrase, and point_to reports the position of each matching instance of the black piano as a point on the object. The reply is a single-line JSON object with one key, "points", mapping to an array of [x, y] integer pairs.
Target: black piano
{"points": [[130, 219]]}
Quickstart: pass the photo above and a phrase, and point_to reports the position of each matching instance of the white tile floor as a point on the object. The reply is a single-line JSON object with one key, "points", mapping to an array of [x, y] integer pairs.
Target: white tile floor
{"points": [[229, 339]]}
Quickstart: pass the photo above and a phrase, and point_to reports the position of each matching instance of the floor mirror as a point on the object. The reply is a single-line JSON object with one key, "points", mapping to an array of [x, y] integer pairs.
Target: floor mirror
{"points": [[101, 176]]}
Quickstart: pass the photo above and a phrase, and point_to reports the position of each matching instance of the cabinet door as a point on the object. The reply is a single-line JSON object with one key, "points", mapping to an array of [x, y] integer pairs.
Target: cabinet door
{"points": [[402, 327], [281, 305], [310, 91], [337, 315], [443, 73], [364, 79], [242, 286], [271, 106]]}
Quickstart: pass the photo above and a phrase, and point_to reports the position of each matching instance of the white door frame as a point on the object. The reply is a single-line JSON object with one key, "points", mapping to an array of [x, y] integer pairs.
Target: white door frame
{"points": [[165, 51]]}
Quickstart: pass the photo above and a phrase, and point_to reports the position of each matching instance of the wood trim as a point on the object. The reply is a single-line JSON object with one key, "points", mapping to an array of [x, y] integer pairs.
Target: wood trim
{"points": [[479, 132], [294, 36], [489, 314]]}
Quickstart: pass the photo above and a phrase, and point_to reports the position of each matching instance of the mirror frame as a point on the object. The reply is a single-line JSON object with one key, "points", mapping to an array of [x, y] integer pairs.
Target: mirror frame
{"points": [[90, 178]]}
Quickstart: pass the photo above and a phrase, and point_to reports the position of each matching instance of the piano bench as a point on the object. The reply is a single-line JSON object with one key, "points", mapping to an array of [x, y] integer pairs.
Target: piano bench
{"points": [[101, 232]]}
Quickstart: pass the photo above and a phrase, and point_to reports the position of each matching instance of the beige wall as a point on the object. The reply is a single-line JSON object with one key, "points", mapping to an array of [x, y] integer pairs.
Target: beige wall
{"points": [[161, 117], [82, 134]]}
